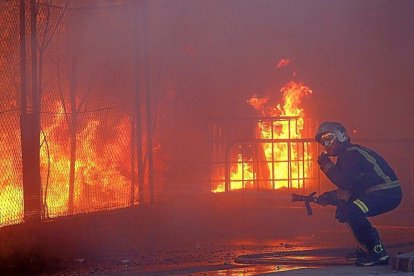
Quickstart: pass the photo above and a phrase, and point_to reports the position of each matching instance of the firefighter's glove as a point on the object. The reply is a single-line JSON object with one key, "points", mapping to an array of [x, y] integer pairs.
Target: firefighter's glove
{"points": [[325, 162], [342, 212], [327, 198]]}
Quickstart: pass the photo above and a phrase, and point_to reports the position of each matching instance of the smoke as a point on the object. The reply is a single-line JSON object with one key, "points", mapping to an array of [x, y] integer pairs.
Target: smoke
{"points": [[354, 55]]}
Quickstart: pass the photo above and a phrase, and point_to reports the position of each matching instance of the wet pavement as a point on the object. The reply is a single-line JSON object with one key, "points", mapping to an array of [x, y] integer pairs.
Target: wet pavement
{"points": [[183, 240], [305, 255]]}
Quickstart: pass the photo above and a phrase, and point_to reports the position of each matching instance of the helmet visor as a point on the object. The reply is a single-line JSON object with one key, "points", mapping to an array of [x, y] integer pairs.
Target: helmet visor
{"points": [[327, 139]]}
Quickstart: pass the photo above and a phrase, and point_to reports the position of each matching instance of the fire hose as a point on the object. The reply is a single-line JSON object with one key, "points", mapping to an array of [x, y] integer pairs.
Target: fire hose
{"points": [[328, 198]]}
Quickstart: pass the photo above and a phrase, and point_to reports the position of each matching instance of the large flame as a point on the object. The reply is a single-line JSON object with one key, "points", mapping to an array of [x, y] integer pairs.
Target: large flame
{"points": [[289, 156], [284, 159], [99, 166], [102, 168]]}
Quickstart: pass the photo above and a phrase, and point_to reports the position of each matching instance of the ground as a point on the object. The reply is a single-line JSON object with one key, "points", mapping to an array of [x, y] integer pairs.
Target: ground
{"points": [[211, 237]]}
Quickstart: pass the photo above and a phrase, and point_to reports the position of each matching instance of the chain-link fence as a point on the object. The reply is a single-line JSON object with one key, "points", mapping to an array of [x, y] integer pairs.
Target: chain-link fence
{"points": [[87, 79], [11, 193]]}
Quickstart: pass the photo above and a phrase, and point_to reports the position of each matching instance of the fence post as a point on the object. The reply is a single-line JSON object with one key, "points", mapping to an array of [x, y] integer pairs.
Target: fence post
{"points": [[30, 121]]}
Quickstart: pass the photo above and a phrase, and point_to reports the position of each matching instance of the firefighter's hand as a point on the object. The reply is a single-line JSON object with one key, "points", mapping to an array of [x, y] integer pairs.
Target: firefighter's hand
{"points": [[324, 162], [342, 212], [323, 159]]}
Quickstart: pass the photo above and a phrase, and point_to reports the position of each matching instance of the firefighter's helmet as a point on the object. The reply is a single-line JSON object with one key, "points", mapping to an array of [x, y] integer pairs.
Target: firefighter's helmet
{"points": [[330, 132]]}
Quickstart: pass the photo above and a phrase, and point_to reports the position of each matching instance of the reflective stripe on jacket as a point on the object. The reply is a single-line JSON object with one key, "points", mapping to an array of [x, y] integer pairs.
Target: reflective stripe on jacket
{"points": [[359, 169]]}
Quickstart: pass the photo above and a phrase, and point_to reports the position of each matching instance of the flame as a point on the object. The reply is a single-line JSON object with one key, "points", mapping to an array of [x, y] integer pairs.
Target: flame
{"points": [[283, 63], [102, 167], [11, 194], [259, 103], [283, 161], [240, 178], [11, 188], [290, 157], [100, 181]]}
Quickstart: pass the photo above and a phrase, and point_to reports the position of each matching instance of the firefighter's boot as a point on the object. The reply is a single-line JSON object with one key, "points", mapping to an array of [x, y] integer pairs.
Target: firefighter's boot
{"points": [[376, 254]]}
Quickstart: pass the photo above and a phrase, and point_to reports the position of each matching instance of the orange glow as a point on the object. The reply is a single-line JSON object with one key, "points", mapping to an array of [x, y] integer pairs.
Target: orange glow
{"points": [[286, 167], [283, 63], [241, 177], [99, 182], [281, 159], [102, 167], [11, 196], [11, 188]]}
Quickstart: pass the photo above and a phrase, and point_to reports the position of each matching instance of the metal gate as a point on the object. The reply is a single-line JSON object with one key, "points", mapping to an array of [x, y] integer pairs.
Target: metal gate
{"points": [[262, 153]]}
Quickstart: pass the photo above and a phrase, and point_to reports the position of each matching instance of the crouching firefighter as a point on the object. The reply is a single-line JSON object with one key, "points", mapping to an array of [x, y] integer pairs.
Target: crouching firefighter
{"points": [[367, 187]]}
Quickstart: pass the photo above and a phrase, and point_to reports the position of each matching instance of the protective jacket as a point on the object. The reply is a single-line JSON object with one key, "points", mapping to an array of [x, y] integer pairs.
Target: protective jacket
{"points": [[361, 170]]}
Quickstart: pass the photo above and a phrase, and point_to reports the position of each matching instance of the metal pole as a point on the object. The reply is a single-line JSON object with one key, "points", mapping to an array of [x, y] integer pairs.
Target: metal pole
{"points": [[242, 160], [148, 101], [23, 61], [138, 111], [227, 169], [24, 118], [272, 175], [303, 166], [289, 158], [37, 185]]}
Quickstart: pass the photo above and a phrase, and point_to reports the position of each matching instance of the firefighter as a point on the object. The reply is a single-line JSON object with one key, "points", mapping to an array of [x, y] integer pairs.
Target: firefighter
{"points": [[366, 186]]}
